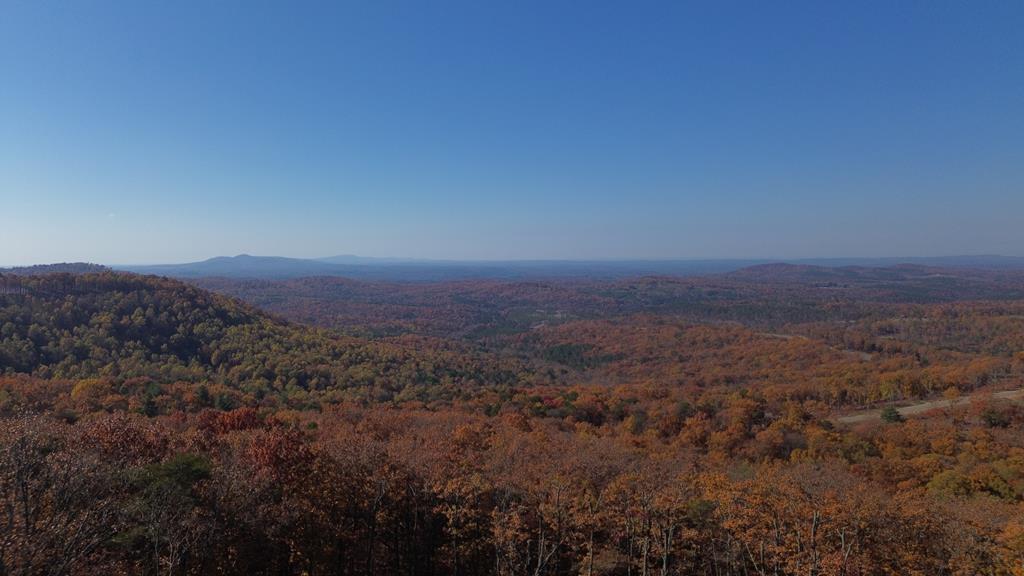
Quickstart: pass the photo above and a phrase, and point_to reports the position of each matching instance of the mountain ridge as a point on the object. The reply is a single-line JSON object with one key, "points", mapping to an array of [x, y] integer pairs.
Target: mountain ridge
{"points": [[399, 269]]}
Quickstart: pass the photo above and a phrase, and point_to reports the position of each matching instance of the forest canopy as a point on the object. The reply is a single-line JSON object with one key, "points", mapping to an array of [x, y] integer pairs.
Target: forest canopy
{"points": [[651, 425]]}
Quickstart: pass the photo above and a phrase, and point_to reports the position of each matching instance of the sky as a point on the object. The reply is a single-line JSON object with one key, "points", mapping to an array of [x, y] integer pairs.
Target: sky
{"points": [[148, 132]]}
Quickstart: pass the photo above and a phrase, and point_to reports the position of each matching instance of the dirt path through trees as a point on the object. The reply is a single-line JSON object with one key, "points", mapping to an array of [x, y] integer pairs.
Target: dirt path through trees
{"points": [[922, 407]]}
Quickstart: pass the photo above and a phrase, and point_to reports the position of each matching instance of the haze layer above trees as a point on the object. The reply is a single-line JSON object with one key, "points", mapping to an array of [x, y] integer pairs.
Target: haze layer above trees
{"points": [[397, 269]]}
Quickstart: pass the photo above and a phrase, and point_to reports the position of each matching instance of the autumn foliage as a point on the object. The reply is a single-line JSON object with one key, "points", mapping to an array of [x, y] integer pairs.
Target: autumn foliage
{"points": [[655, 426]]}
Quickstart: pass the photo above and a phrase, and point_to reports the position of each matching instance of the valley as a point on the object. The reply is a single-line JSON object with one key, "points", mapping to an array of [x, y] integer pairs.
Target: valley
{"points": [[331, 424]]}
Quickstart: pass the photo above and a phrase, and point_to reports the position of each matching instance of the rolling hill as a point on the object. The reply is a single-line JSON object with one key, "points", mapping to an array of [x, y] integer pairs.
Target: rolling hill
{"points": [[123, 326]]}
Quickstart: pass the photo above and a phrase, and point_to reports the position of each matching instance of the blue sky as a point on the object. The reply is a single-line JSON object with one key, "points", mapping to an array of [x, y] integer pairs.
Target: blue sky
{"points": [[135, 132]]}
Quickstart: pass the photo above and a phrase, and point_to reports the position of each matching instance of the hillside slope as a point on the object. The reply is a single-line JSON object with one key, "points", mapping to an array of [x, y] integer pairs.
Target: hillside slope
{"points": [[122, 326]]}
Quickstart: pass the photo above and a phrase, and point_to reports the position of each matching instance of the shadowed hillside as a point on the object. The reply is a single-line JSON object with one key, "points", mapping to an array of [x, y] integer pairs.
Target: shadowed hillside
{"points": [[123, 326]]}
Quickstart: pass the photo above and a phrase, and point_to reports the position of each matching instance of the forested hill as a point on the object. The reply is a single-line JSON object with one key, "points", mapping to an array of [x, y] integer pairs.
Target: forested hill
{"points": [[65, 267], [120, 326]]}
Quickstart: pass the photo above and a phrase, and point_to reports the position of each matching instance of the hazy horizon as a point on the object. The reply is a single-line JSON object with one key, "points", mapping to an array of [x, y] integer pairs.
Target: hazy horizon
{"points": [[470, 261], [162, 133]]}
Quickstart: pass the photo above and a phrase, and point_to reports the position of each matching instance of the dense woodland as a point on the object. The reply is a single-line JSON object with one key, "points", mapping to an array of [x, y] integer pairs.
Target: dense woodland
{"points": [[623, 427]]}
